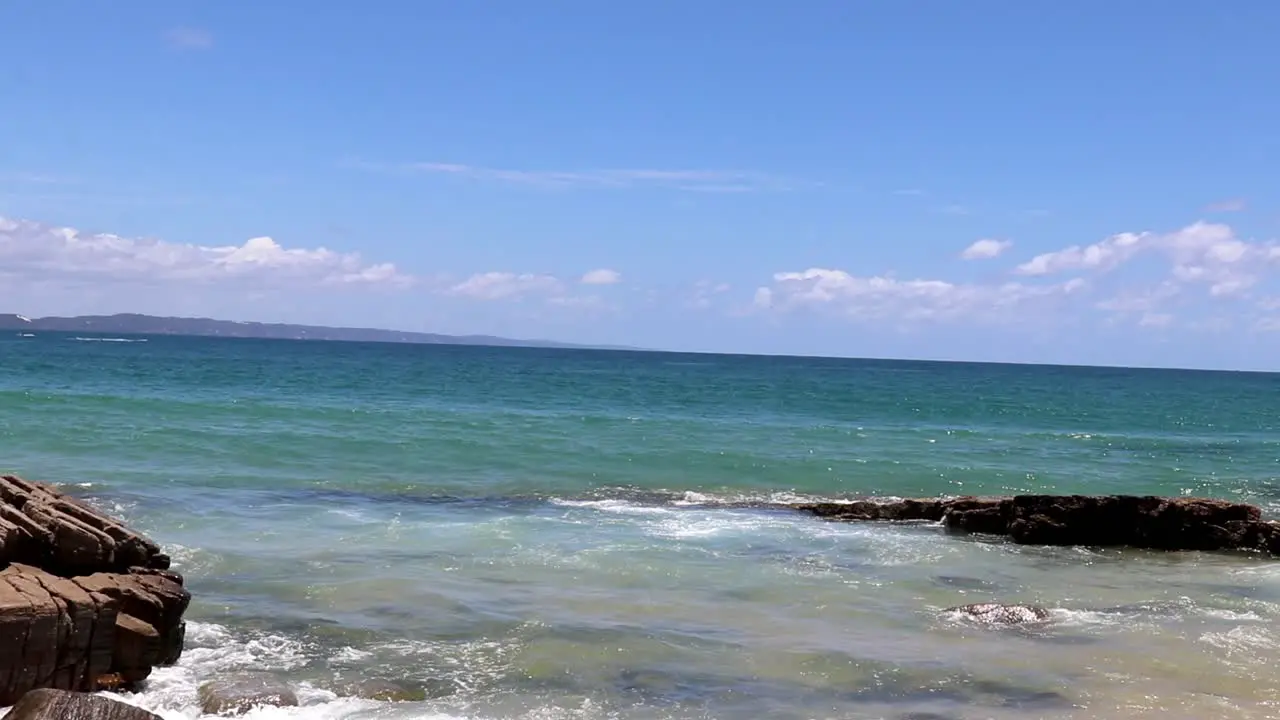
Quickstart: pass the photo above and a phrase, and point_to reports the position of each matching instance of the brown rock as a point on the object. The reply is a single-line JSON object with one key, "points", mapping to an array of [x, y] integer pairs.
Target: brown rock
{"points": [[45, 622], [83, 600], [1102, 521], [979, 515], [136, 650], [898, 510], [64, 531], [80, 614], [16, 619], [48, 704], [155, 598], [238, 694]]}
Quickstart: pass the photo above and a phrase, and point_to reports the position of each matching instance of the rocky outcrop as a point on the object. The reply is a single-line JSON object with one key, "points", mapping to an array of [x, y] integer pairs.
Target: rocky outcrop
{"points": [[62, 705], [85, 603], [1101, 521]]}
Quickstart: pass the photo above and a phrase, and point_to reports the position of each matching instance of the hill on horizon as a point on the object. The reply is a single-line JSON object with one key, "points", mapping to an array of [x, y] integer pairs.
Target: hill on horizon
{"points": [[139, 324]]}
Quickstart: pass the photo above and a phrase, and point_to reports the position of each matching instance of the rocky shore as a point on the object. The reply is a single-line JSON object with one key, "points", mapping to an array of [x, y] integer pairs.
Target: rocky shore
{"points": [[1148, 522], [85, 603]]}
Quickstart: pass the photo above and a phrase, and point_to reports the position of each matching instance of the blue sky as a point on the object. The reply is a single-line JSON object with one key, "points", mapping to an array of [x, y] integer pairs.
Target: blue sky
{"points": [[996, 180]]}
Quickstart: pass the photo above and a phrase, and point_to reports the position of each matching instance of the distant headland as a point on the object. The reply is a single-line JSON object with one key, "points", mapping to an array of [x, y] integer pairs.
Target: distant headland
{"points": [[136, 324]]}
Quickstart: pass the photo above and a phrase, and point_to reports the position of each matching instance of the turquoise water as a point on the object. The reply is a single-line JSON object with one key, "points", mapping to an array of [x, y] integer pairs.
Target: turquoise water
{"points": [[578, 534]]}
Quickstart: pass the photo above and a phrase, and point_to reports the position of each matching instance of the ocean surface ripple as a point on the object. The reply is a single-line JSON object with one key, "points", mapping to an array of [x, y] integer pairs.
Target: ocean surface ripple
{"points": [[523, 533]]}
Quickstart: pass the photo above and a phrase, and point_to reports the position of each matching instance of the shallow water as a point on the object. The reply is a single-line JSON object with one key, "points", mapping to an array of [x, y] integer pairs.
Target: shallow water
{"points": [[556, 534]]}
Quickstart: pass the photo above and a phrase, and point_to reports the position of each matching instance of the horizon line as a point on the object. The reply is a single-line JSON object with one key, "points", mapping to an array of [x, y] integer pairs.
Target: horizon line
{"points": [[543, 344]]}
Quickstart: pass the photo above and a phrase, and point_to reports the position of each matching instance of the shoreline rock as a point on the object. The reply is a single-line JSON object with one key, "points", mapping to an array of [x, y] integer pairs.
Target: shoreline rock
{"points": [[85, 602], [1136, 521], [46, 704]]}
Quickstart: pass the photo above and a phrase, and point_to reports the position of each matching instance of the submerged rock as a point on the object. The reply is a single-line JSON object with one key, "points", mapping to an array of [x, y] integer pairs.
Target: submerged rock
{"points": [[85, 603], [1106, 520], [1001, 614], [388, 691], [238, 694], [46, 704]]}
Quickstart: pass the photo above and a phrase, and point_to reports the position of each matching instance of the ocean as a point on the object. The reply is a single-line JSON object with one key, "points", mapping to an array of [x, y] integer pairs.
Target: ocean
{"points": [[530, 533]]}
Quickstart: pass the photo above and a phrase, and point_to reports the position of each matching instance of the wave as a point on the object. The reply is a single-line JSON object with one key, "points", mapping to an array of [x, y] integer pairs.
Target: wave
{"points": [[108, 339], [214, 650]]}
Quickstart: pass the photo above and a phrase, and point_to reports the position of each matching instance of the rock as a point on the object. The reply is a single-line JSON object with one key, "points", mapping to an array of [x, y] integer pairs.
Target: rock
{"points": [[137, 649], [43, 527], [899, 510], [238, 694], [1103, 521], [978, 515], [387, 691], [46, 704], [85, 603], [1001, 614]]}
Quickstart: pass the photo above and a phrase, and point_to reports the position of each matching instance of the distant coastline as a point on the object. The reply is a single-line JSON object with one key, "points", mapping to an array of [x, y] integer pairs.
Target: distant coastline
{"points": [[137, 324]]}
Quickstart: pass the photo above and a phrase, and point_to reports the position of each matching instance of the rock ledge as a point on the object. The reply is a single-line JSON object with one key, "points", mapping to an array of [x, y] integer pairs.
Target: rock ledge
{"points": [[85, 603], [1149, 522]]}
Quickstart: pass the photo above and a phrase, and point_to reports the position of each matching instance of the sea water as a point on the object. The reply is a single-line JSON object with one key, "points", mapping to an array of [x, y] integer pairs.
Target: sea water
{"points": [[528, 533]]}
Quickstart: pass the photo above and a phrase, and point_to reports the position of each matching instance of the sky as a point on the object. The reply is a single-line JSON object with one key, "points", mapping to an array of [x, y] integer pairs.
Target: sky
{"points": [[1080, 182]]}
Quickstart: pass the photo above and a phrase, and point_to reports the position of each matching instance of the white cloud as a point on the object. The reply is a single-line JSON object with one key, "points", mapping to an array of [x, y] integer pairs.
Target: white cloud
{"points": [[1102, 255], [188, 38], [715, 181], [986, 248], [1205, 253], [506, 285], [35, 251], [887, 298], [524, 293], [601, 276]]}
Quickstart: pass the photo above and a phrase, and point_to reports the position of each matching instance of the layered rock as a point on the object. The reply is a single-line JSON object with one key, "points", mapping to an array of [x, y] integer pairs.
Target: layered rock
{"points": [[47, 704], [85, 603], [1101, 521]]}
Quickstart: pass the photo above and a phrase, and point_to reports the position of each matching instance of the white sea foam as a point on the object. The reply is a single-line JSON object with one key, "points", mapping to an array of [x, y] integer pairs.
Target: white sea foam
{"points": [[108, 339], [694, 523], [213, 651], [1250, 643], [622, 507]]}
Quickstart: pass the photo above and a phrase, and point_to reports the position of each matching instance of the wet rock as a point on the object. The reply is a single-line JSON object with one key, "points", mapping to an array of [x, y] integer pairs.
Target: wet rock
{"points": [[388, 691], [899, 510], [979, 515], [238, 694], [46, 704], [85, 603], [1102, 521], [1001, 614]]}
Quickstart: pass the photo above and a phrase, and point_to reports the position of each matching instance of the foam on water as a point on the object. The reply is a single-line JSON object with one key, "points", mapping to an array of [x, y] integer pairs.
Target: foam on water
{"points": [[214, 650]]}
